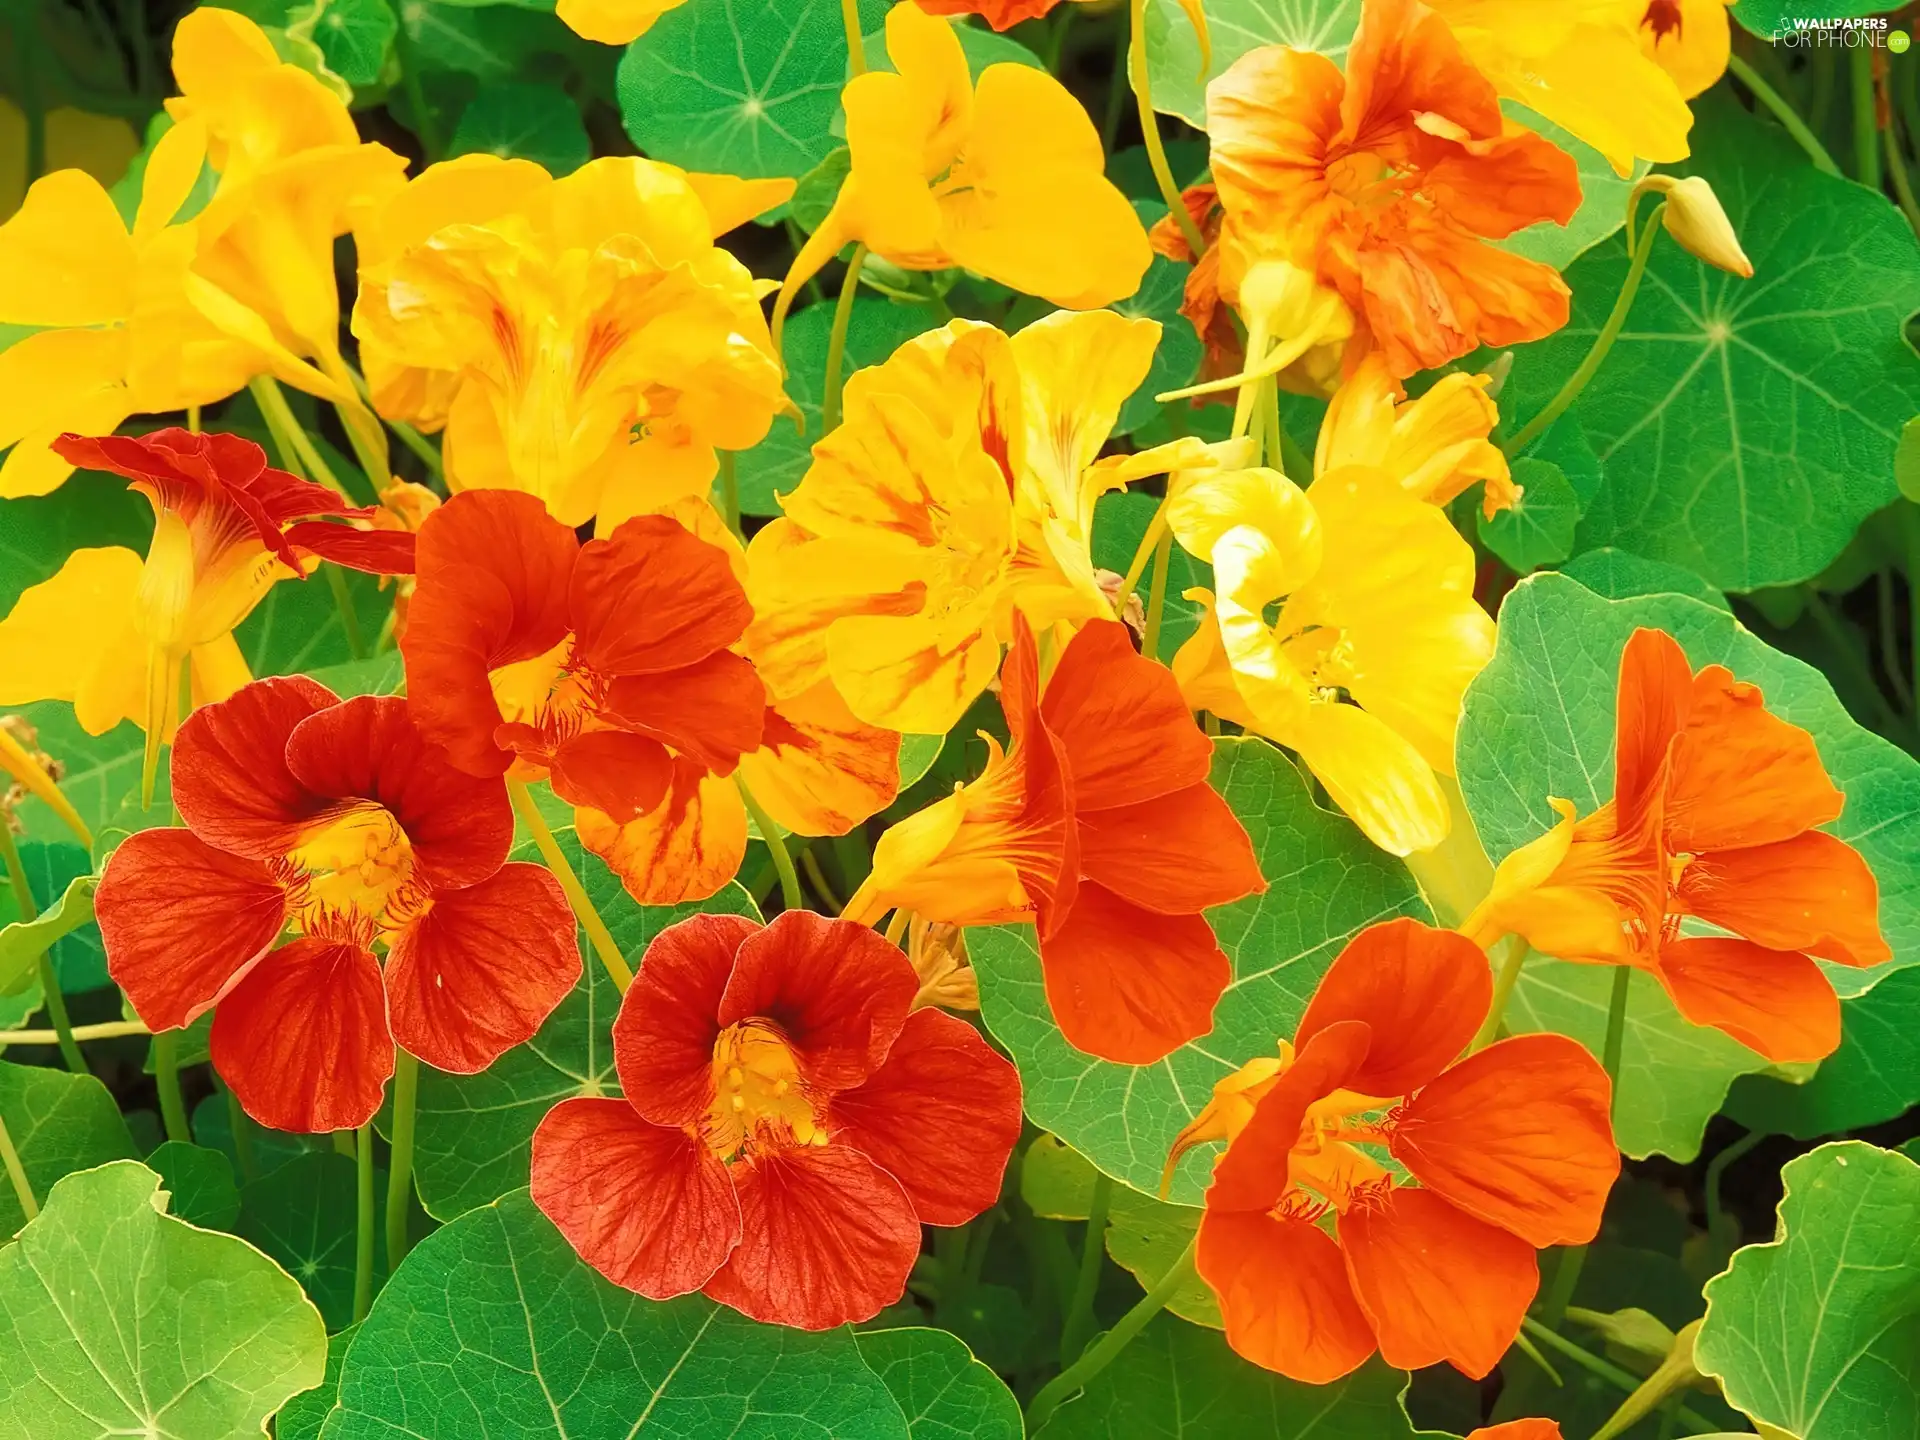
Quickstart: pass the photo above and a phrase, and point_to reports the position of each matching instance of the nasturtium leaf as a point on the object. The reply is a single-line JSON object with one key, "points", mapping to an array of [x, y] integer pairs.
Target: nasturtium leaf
{"points": [[78, 958], [494, 1326], [1235, 26], [746, 87], [355, 36], [266, 1150], [917, 754], [302, 1417], [1538, 528], [1874, 1076], [1906, 460], [199, 1182], [1603, 198], [117, 1319], [1747, 427], [815, 191], [876, 329], [489, 42], [99, 770], [1120, 522], [1177, 358], [1146, 1236], [473, 1132], [1768, 18], [1620, 575], [941, 1389], [90, 511], [1181, 1382], [1056, 1180], [526, 122], [59, 1123], [298, 627], [1325, 882], [382, 674], [1539, 722], [1818, 1332], [303, 1213]]}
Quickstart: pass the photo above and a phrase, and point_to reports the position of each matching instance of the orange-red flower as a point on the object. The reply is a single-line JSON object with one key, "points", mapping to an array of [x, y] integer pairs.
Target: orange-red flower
{"points": [[1385, 182], [1713, 816], [1099, 825], [339, 821], [1508, 1151], [786, 1128], [1519, 1430]]}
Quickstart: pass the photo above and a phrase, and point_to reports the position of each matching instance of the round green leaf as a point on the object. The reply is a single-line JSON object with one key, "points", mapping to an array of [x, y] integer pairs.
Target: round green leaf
{"points": [[1619, 575], [747, 87], [1146, 1236], [1539, 722], [117, 1319], [944, 1392], [59, 1123], [493, 1326], [355, 36], [199, 1182], [1747, 427], [1325, 882], [1768, 18], [1538, 529], [525, 122], [79, 959], [474, 1131], [301, 1417], [1818, 1332], [303, 1214], [1235, 27], [88, 511], [1176, 360]]}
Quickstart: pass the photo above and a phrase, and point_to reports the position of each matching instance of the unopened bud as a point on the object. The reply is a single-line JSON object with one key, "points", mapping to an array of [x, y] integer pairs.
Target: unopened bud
{"points": [[1695, 219]]}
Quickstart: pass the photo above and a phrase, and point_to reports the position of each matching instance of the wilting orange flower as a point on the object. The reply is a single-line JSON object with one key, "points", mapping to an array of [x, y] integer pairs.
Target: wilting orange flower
{"points": [[1508, 1151], [1713, 816], [1100, 826], [1385, 183]]}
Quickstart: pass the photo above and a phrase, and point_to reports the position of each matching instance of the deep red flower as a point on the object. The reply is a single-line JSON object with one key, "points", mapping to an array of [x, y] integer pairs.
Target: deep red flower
{"points": [[787, 1125], [336, 820]]}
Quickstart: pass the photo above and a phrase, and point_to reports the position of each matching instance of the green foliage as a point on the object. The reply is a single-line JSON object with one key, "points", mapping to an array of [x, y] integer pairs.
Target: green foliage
{"points": [[1538, 530], [941, 1389], [302, 1214], [1874, 1076], [1236, 26], [1177, 358], [527, 122], [199, 1183], [59, 1123]]}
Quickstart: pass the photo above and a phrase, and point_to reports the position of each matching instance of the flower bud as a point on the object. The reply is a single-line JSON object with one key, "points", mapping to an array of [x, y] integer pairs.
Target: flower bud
{"points": [[1695, 218]]}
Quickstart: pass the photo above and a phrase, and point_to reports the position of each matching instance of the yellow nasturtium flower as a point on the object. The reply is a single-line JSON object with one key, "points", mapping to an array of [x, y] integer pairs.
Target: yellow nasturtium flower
{"points": [[1007, 179], [612, 22], [1435, 446], [1690, 39], [1362, 666], [960, 484], [582, 339]]}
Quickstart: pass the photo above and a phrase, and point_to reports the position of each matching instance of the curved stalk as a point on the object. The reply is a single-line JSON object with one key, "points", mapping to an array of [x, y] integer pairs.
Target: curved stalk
{"points": [[1103, 1351], [363, 1222], [16, 1173], [598, 935], [1150, 128], [790, 894], [837, 341]]}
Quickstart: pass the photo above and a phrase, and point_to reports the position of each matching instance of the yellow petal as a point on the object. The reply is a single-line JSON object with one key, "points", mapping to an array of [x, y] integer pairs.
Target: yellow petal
{"points": [[56, 381], [66, 258], [1375, 776], [685, 848], [612, 22], [1570, 922], [1694, 51], [173, 169], [1203, 672], [909, 673], [469, 190], [1207, 505], [819, 770], [73, 638], [731, 201]]}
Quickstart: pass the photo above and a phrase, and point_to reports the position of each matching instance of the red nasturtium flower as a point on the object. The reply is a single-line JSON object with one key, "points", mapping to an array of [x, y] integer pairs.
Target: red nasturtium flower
{"points": [[1100, 826], [339, 820], [1510, 1150], [1385, 182], [787, 1124], [1713, 815], [1519, 1430]]}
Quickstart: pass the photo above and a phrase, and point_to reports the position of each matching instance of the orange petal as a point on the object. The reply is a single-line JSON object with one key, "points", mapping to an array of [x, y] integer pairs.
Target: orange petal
{"points": [[1253, 1174], [1177, 854], [820, 770], [1519, 1430], [685, 848], [1129, 736], [1517, 1135], [1743, 776], [1284, 1295], [1812, 893], [1423, 992], [1774, 1001], [712, 710], [1656, 686], [1437, 1283]]}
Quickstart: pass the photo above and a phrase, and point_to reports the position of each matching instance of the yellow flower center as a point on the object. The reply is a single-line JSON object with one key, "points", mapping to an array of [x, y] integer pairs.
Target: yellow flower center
{"points": [[355, 874], [759, 1097]]}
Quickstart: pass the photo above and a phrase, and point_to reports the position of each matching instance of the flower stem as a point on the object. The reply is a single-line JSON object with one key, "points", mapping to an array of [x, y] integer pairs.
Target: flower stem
{"points": [[1149, 542], [166, 1079], [1079, 1322], [406, 1100], [815, 873], [837, 339], [238, 1123], [790, 895], [856, 43], [1602, 343], [583, 909], [22, 1191], [297, 456], [1101, 1353], [1783, 112], [730, 492], [363, 1222], [1157, 595], [1716, 1171], [56, 1002], [1503, 988], [106, 1030], [1150, 129], [1605, 1369], [1866, 124], [1616, 1029]]}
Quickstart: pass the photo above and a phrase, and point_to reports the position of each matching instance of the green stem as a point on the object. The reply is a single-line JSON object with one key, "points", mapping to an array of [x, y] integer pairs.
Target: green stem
{"points": [[166, 1079], [1503, 987], [817, 876], [296, 455], [1910, 522], [1602, 343], [242, 1129], [1849, 653], [1616, 1029], [425, 128], [730, 491], [856, 42], [1079, 1321], [1716, 1171], [1101, 1353], [57, 1012], [363, 1222], [790, 895], [105, 1030], [837, 339], [598, 934], [1783, 112], [1866, 122], [1149, 542], [1889, 641], [1150, 128], [1605, 1369], [406, 1099], [22, 1191], [1116, 90], [27, 38], [1157, 595]]}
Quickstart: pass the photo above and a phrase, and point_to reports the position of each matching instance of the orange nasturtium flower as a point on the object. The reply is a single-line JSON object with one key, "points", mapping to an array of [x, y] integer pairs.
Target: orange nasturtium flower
{"points": [[110, 632], [1519, 1430], [1714, 814], [606, 669], [1007, 180], [1435, 446], [1385, 184], [1099, 826], [582, 339], [1364, 666], [959, 487], [1508, 1151]]}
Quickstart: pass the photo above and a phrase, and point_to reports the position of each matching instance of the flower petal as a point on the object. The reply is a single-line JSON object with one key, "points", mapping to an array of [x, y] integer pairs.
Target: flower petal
{"points": [[839, 993], [1284, 1295], [1655, 696], [651, 597], [1423, 991], [1814, 892], [1517, 1135], [819, 769], [482, 969], [685, 848], [1742, 775], [181, 921], [941, 1116], [1177, 854], [1376, 776], [231, 781], [377, 552], [1777, 1002], [1127, 733], [663, 1036], [648, 1206], [622, 774], [1130, 985], [1437, 1283], [826, 1238], [303, 1040], [1253, 1173], [712, 710]]}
